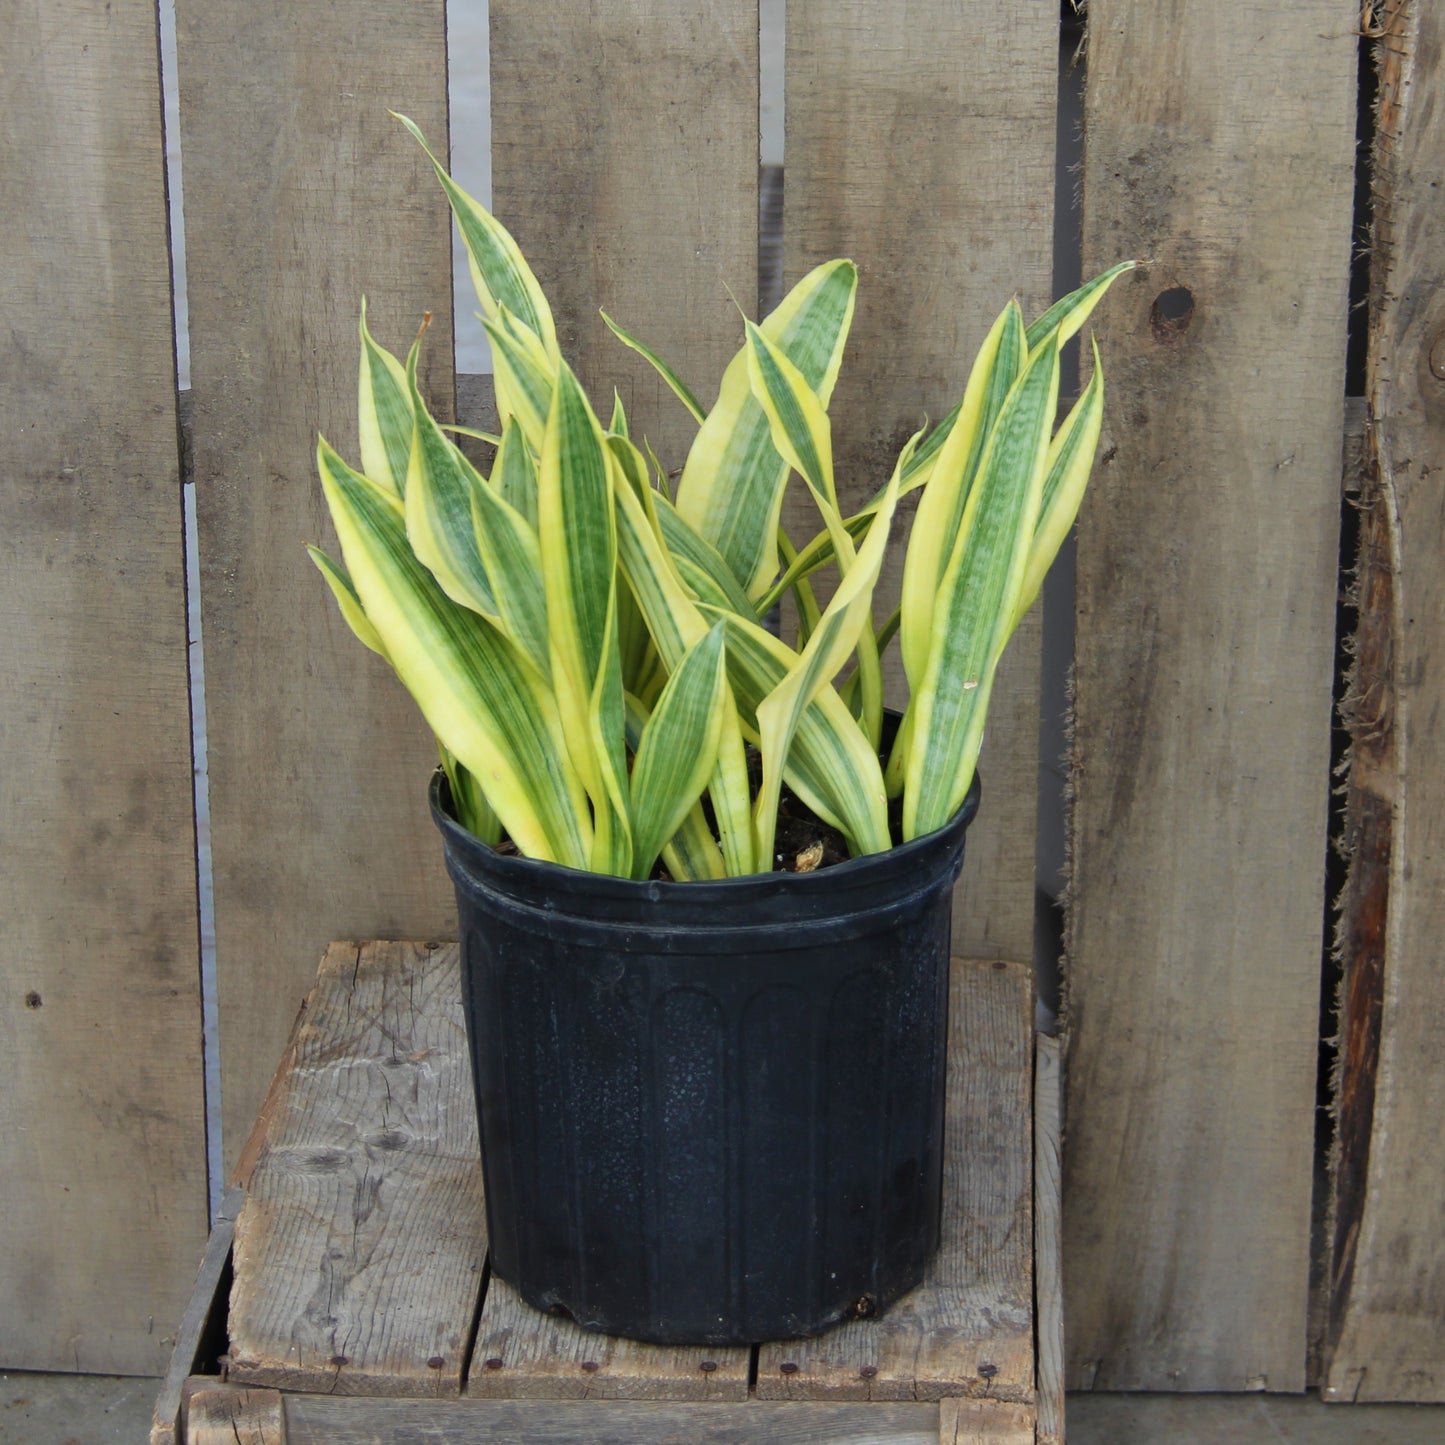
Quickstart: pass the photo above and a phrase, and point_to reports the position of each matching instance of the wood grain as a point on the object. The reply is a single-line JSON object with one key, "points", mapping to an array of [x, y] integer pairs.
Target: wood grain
{"points": [[968, 1329], [1386, 1332], [358, 1255], [235, 1417], [892, 109], [625, 162], [1048, 1241], [523, 1353], [302, 195], [103, 1186], [203, 1314], [984, 1422], [312, 1420], [1219, 146]]}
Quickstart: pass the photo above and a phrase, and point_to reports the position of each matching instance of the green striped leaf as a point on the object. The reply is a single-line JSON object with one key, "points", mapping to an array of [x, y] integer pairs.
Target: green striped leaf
{"points": [[978, 592], [680, 388], [499, 272], [941, 508], [1066, 474], [484, 703], [579, 568], [383, 413], [512, 557], [438, 508], [838, 631], [732, 484], [469, 803], [1068, 315], [678, 749], [514, 473], [522, 379], [347, 601]]}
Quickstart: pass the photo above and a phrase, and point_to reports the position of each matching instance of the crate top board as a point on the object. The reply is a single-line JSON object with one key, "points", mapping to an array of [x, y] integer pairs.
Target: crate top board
{"points": [[359, 1254]]}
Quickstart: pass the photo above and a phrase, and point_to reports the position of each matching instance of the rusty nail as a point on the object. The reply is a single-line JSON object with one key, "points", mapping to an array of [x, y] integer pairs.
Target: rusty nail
{"points": [[788, 1368], [708, 1366], [988, 1371], [436, 1363], [868, 1371], [339, 1360], [494, 1363], [591, 1366]]}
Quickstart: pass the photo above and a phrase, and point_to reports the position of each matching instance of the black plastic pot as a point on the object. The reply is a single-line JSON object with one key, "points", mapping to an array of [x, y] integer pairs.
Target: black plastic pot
{"points": [[711, 1113]]}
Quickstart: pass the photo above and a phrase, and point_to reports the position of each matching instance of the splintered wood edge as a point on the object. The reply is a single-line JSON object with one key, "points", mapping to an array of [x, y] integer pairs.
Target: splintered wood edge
{"points": [[882, 1359], [521, 1353], [165, 1424], [1048, 1240], [256, 1356], [232, 1415]]}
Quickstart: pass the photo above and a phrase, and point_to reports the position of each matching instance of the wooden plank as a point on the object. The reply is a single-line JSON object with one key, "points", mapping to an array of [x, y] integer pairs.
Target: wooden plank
{"points": [[889, 107], [103, 1189], [968, 1329], [312, 1419], [1220, 146], [1048, 1240], [523, 1353], [301, 195], [984, 1422], [235, 1417], [1386, 1331], [358, 1257], [198, 1322], [625, 162]]}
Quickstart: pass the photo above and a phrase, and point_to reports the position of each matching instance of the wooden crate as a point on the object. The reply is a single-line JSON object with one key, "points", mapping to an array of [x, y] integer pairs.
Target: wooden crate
{"points": [[344, 1295]]}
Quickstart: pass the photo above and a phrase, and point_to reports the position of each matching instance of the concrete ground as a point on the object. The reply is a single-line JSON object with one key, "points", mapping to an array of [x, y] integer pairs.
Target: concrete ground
{"points": [[101, 1410]]}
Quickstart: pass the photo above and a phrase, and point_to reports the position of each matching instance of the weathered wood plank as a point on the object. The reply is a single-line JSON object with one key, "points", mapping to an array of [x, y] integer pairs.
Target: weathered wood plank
{"points": [[301, 195], [625, 162], [1386, 1330], [358, 1255], [522, 1353], [100, 1040], [235, 1417], [1048, 1241], [199, 1319], [968, 1329], [888, 111], [1219, 145], [984, 1422], [311, 1420]]}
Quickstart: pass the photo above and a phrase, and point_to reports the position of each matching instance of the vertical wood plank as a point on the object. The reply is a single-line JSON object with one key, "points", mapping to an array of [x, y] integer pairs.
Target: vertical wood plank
{"points": [[625, 162], [920, 142], [103, 1187], [1219, 145], [301, 195], [1386, 1331], [1048, 1242]]}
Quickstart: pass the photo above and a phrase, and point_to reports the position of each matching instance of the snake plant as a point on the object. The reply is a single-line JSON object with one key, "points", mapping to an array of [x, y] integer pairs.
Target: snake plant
{"points": [[590, 648]]}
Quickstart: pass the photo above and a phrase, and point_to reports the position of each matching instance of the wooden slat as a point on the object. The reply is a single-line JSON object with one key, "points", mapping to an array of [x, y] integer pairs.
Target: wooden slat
{"points": [[312, 1420], [891, 109], [301, 194], [1048, 1242], [202, 1315], [103, 1185], [522, 1353], [1219, 146], [968, 1329], [625, 162], [358, 1256], [984, 1422], [235, 1417], [1386, 1331]]}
